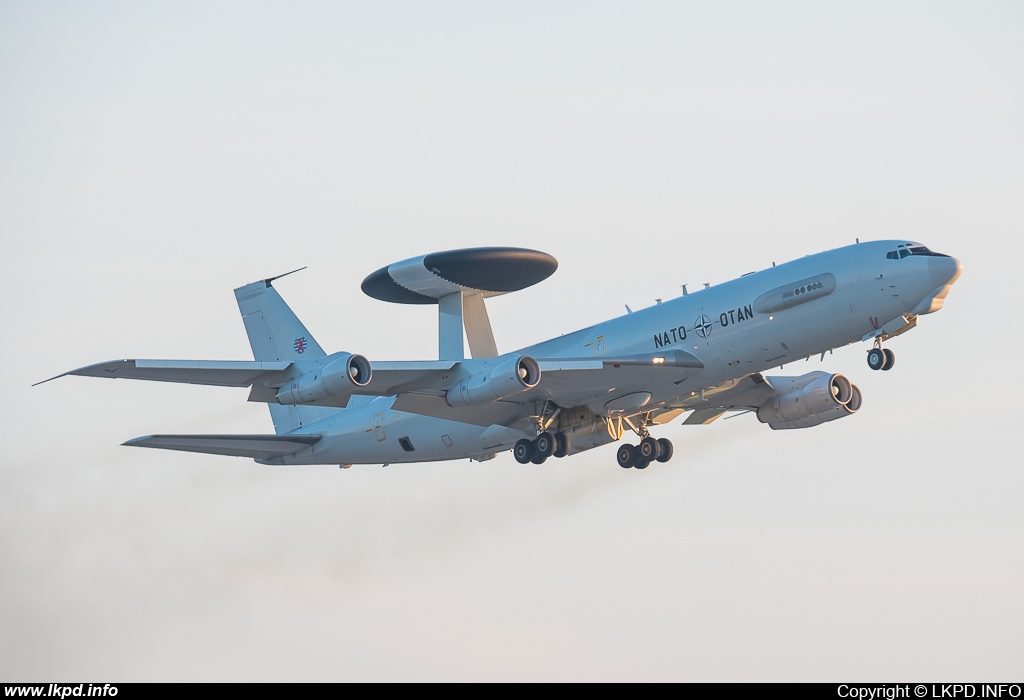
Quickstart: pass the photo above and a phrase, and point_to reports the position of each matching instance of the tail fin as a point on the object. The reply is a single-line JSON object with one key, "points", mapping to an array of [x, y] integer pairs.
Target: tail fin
{"points": [[276, 333]]}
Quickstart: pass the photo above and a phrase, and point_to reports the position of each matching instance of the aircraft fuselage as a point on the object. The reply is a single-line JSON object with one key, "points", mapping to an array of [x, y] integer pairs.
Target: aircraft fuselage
{"points": [[750, 324]]}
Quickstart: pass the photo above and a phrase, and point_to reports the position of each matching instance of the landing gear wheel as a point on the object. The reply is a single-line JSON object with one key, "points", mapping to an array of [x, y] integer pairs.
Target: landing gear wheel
{"points": [[890, 359], [649, 449], [561, 445], [666, 450], [626, 456], [876, 358], [642, 464], [524, 451], [539, 458], [545, 444]]}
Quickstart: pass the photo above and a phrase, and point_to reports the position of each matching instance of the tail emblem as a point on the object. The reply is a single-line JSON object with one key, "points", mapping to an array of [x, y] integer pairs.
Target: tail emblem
{"points": [[300, 345]]}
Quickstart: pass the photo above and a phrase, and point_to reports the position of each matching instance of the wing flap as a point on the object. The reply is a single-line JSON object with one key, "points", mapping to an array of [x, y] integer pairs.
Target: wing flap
{"points": [[254, 446], [208, 372], [743, 394], [592, 381], [586, 380], [390, 378]]}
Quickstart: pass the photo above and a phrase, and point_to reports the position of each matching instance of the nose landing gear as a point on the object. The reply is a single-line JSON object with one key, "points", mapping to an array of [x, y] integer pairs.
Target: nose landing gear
{"points": [[881, 358]]}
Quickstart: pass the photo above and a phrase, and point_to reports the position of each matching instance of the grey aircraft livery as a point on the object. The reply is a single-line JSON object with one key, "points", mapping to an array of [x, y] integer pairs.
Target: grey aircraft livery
{"points": [[702, 353]]}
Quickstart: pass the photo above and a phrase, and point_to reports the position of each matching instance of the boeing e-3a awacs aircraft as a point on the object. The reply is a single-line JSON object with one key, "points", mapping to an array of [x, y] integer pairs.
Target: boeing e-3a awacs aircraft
{"points": [[701, 353]]}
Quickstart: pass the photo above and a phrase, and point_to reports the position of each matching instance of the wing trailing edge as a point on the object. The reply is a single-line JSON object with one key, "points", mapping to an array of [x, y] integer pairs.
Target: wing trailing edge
{"points": [[208, 372]]}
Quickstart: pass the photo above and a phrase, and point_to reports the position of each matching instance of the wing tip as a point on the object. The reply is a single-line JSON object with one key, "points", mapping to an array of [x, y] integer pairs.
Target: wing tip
{"points": [[268, 280], [52, 378], [82, 371]]}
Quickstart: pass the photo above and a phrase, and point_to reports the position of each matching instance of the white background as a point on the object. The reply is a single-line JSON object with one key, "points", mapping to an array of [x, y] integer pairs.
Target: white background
{"points": [[153, 156]]}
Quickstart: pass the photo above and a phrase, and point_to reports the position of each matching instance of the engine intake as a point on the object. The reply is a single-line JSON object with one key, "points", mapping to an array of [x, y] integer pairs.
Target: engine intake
{"points": [[515, 375], [821, 400], [335, 380]]}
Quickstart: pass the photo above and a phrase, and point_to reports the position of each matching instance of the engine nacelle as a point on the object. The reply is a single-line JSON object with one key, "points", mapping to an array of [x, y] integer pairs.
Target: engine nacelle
{"points": [[514, 375], [337, 380], [824, 399]]}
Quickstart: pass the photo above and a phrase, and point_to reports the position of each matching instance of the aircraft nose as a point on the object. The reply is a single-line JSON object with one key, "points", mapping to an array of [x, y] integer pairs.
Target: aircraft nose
{"points": [[944, 270]]}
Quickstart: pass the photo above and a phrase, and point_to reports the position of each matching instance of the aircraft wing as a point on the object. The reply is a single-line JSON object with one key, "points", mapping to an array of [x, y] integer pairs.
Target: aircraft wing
{"points": [[741, 394], [593, 381], [255, 446], [390, 378], [576, 381], [209, 372]]}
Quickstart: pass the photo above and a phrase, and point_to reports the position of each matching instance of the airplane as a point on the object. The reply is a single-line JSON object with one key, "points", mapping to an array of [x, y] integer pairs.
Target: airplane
{"points": [[703, 353]]}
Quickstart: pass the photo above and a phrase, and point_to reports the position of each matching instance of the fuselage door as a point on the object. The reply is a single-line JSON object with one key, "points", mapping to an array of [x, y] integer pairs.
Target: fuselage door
{"points": [[378, 427]]}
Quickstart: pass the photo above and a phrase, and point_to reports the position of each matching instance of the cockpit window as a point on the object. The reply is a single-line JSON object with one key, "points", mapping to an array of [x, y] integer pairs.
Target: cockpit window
{"points": [[903, 251]]}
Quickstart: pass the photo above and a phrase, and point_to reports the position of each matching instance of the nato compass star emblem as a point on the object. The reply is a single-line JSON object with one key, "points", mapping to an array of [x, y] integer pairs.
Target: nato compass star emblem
{"points": [[300, 345], [703, 326]]}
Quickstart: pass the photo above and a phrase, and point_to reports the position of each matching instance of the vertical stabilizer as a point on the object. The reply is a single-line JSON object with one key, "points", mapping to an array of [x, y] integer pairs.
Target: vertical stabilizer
{"points": [[276, 333]]}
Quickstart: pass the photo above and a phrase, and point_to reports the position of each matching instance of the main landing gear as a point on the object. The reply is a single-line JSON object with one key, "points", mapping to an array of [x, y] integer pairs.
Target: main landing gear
{"points": [[538, 450], [881, 358], [640, 456], [649, 450], [549, 444]]}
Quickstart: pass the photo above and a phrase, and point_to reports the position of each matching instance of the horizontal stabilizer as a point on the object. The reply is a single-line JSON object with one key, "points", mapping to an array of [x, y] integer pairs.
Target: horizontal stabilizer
{"points": [[209, 372], [254, 446]]}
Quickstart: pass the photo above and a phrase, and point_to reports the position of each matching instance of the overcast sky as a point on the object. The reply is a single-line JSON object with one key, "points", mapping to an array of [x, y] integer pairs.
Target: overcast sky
{"points": [[153, 156]]}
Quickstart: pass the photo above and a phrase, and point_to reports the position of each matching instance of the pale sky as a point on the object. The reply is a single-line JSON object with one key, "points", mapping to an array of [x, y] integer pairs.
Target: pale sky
{"points": [[154, 156]]}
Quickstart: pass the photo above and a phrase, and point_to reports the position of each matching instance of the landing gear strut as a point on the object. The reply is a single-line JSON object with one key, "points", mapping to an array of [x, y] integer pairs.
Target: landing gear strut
{"points": [[881, 358]]}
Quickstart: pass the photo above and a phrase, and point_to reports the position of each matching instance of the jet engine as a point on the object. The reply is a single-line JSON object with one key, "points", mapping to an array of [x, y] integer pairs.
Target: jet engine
{"points": [[336, 380], [514, 375], [824, 398]]}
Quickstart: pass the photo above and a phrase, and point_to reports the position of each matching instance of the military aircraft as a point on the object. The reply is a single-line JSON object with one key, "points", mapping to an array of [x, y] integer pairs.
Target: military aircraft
{"points": [[703, 354]]}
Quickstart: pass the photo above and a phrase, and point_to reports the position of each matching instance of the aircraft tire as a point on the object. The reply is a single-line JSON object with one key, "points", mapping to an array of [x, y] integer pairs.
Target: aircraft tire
{"points": [[561, 445], [890, 359], [876, 359], [642, 464], [545, 444], [649, 449], [524, 451], [666, 450], [626, 455], [539, 458]]}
